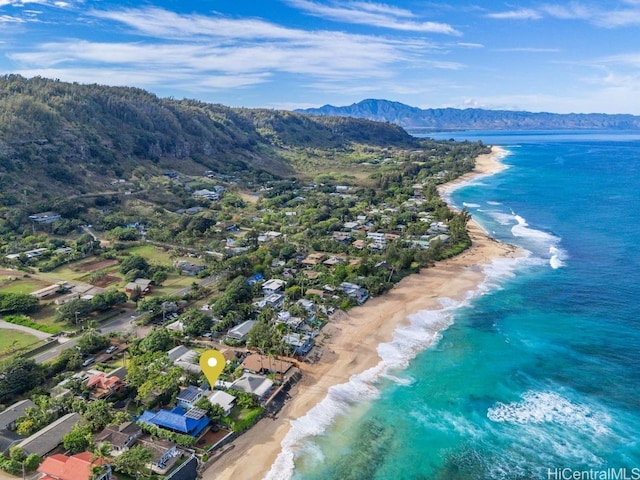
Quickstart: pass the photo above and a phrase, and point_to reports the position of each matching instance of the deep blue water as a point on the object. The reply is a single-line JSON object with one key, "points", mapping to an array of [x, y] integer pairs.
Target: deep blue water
{"points": [[541, 370]]}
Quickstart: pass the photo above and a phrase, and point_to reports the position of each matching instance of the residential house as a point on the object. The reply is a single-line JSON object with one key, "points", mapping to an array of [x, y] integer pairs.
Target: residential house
{"points": [[104, 385], [350, 225], [342, 237], [311, 274], [240, 332], [274, 301], [268, 236], [45, 440], [164, 453], [189, 268], [334, 260], [256, 363], [307, 304], [184, 358], [300, 343], [211, 195], [254, 384], [223, 399], [359, 244], [315, 291], [10, 414], [379, 240], [255, 278], [354, 291], [8, 439], [313, 259], [75, 467], [44, 217], [436, 228], [189, 396], [287, 319], [119, 437], [190, 422], [144, 284], [275, 285]]}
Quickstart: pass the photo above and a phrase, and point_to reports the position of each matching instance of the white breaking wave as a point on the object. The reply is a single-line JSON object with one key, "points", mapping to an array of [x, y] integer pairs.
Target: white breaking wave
{"points": [[503, 218], [471, 205], [549, 407], [422, 331], [542, 243], [493, 203]]}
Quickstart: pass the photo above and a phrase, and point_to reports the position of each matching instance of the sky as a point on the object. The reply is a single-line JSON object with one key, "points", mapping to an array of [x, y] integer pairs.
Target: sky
{"points": [[556, 56]]}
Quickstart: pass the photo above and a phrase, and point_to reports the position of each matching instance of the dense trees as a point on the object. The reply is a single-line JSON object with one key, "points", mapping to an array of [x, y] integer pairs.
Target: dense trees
{"points": [[18, 376], [132, 461], [17, 303]]}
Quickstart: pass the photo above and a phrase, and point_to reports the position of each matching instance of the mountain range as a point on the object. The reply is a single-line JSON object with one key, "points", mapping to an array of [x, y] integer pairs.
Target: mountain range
{"points": [[442, 119]]}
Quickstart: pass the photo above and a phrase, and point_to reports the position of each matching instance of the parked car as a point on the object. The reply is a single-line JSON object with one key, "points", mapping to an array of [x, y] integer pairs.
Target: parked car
{"points": [[111, 349], [88, 361]]}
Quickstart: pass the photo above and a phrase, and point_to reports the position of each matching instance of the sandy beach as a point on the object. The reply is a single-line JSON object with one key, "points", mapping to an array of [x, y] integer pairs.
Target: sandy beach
{"points": [[351, 340]]}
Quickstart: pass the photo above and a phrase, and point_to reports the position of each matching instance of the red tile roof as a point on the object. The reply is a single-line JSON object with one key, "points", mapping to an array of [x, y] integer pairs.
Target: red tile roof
{"points": [[102, 382], [75, 467]]}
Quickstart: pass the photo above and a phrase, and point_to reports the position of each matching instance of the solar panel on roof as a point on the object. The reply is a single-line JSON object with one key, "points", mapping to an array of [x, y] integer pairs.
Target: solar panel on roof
{"points": [[195, 413]]}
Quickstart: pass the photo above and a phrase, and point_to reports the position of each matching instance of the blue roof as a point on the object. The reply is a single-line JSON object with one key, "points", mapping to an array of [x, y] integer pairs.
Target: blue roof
{"points": [[258, 277], [175, 420]]}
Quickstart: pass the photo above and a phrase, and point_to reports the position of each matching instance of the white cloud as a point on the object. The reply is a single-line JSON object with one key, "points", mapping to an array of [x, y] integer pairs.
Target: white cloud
{"points": [[520, 14], [528, 50], [10, 19], [469, 45], [626, 14], [376, 15]]}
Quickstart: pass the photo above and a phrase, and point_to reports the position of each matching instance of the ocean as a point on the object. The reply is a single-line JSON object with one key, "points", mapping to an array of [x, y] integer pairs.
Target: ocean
{"points": [[537, 373]]}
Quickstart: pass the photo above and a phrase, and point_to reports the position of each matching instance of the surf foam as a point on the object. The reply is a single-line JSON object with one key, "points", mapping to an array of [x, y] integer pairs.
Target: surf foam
{"points": [[423, 330]]}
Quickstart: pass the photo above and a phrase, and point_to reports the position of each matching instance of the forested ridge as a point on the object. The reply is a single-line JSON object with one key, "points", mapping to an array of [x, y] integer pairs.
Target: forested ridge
{"points": [[58, 137]]}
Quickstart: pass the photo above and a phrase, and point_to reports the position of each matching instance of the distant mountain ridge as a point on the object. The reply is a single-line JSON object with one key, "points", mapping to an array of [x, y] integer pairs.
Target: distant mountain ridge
{"points": [[413, 118]]}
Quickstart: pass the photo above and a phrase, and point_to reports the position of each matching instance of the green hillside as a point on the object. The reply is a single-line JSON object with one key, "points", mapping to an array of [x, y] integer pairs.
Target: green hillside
{"points": [[60, 138]]}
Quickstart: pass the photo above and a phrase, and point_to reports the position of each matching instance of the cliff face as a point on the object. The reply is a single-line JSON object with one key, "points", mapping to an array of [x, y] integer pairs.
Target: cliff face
{"points": [[474, 118]]}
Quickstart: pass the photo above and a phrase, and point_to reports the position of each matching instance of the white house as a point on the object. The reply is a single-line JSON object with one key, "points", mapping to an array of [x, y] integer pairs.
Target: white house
{"points": [[225, 400]]}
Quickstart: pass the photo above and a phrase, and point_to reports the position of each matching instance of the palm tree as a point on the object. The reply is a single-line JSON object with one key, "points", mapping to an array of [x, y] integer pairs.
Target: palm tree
{"points": [[101, 453]]}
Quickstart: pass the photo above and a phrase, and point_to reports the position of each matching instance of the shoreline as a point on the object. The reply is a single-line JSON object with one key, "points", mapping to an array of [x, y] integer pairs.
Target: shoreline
{"points": [[351, 344]]}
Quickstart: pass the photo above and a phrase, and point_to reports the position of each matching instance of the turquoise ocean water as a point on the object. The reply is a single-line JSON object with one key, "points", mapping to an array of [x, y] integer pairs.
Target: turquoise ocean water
{"points": [[537, 374]]}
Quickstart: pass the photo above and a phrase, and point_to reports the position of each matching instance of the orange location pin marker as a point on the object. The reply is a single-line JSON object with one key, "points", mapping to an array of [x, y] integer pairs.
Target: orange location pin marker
{"points": [[212, 363]]}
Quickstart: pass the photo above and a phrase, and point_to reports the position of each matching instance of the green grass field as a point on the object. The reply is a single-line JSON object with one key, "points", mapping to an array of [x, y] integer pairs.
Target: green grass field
{"points": [[13, 340], [152, 254], [22, 285]]}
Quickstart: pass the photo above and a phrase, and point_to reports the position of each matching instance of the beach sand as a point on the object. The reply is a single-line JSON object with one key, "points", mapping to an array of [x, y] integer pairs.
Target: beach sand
{"points": [[351, 340]]}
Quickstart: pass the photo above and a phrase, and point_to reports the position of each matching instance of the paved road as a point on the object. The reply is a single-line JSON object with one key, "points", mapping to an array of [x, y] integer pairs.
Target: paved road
{"points": [[32, 331], [122, 323], [52, 353]]}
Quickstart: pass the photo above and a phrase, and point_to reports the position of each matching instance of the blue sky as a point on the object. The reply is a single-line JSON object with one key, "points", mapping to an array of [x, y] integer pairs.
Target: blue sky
{"points": [[556, 56]]}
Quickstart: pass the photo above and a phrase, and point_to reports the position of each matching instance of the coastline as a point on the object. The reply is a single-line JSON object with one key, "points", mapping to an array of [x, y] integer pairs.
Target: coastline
{"points": [[351, 344]]}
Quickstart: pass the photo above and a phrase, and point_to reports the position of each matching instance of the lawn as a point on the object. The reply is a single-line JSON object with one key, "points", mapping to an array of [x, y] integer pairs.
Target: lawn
{"points": [[22, 285], [153, 254], [13, 340]]}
